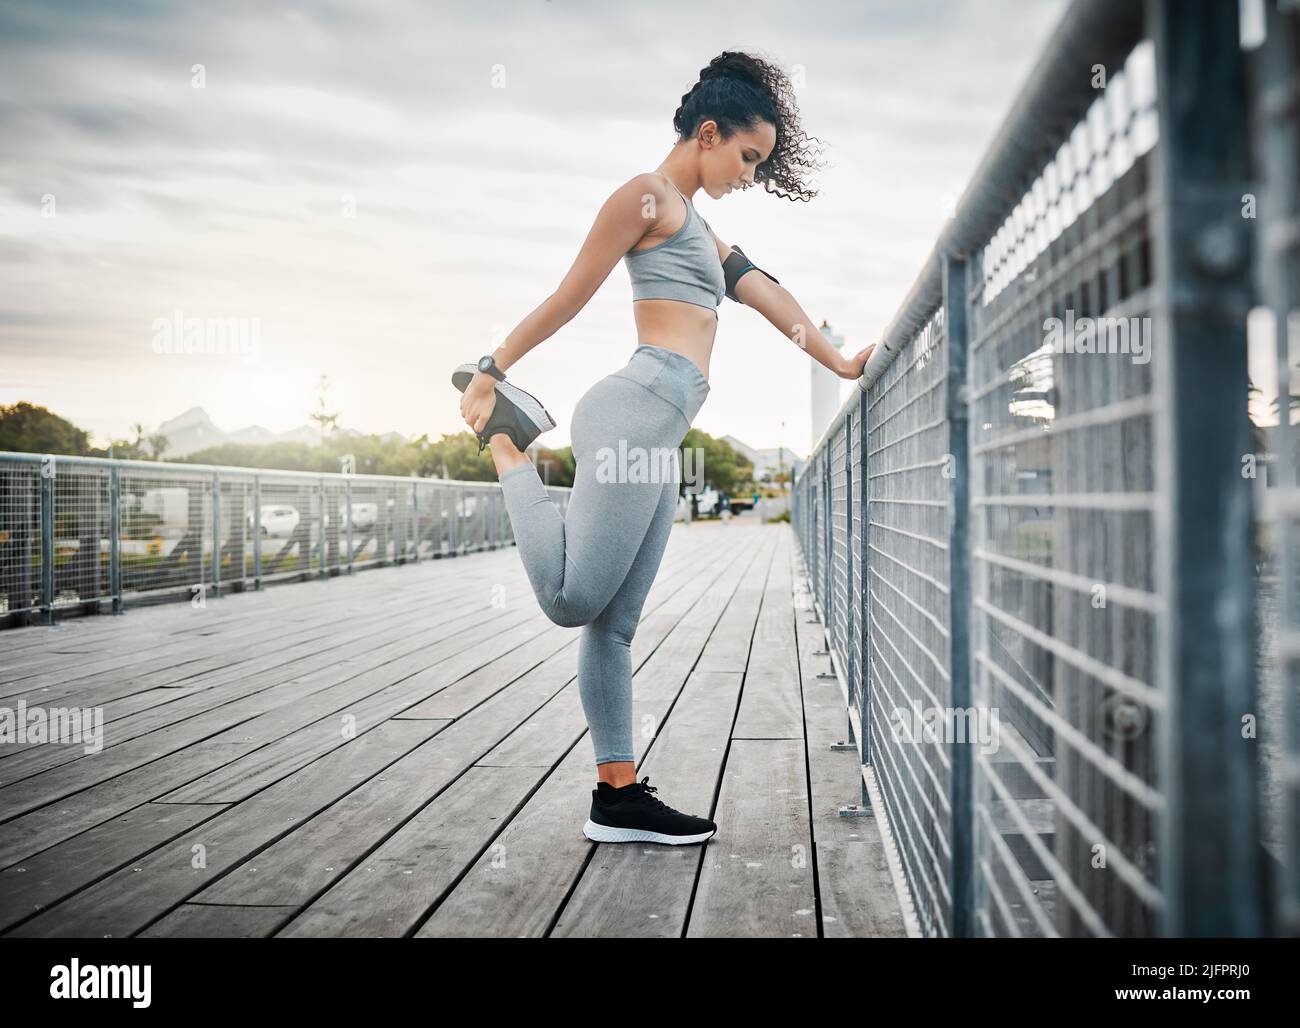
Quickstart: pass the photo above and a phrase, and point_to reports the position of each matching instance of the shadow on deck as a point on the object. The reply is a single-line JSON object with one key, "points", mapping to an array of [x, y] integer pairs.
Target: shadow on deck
{"points": [[403, 753]]}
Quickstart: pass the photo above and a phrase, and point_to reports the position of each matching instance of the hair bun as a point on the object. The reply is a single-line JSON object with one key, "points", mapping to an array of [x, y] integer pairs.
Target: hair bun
{"points": [[733, 64]]}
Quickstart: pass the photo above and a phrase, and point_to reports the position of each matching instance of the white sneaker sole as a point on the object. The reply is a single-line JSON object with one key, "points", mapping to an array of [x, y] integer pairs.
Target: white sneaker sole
{"points": [[526, 402], [604, 833]]}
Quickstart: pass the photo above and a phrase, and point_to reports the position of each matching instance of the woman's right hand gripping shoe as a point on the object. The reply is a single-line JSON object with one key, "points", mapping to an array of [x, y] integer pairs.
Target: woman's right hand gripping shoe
{"points": [[489, 407]]}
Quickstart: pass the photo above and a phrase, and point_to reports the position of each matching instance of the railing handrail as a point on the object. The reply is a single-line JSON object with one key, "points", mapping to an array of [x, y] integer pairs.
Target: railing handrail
{"points": [[1056, 93], [17, 457]]}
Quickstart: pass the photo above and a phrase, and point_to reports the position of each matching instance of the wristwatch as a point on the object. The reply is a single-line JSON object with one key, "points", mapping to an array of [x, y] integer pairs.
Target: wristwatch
{"points": [[487, 365]]}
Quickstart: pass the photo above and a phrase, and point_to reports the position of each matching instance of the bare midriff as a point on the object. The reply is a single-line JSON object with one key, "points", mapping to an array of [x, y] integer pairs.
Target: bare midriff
{"points": [[677, 325]]}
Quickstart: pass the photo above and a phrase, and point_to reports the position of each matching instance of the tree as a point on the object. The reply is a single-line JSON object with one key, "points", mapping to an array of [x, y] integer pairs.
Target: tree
{"points": [[557, 467], [459, 454], [723, 468], [26, 428]]}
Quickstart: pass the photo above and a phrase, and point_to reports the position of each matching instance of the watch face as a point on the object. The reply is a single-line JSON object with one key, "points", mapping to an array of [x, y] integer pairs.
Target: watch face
{"points": [[484, 363]]}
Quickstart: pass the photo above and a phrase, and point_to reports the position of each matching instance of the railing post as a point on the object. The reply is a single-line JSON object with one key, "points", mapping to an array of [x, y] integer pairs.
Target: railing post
{"points": [[115, 538], [449, 498], [257, 531], [47, 537], [415, 518], [956, 466], [320, 493], [851, 618], [828, 523], [347, 499], [1210, 871], [864, 701], [814, 525], [216, 534]]}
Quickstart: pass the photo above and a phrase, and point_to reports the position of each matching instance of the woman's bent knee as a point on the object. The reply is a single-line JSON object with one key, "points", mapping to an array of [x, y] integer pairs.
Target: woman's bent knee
{"points": [[571, 613]]}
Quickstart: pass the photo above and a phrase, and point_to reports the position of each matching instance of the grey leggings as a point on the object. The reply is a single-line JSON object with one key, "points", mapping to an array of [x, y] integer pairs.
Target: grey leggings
{"points": [[593, 566]]}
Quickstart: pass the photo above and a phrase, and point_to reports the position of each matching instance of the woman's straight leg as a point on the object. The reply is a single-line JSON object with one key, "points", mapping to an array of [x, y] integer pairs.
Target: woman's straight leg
{"points": [[605, 651]]}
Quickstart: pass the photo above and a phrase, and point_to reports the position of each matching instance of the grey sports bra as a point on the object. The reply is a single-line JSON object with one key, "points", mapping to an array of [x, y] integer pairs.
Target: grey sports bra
{"points": [[683, 267]]}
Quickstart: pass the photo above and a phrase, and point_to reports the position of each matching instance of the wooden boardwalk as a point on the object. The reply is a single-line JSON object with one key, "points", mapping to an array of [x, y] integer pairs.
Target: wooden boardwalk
{"points": [[403, 753]]}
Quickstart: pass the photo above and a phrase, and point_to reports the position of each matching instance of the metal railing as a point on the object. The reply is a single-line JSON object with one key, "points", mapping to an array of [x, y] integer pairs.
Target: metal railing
{"points": [[1033, 559], [1277, 259], [80, 532]]}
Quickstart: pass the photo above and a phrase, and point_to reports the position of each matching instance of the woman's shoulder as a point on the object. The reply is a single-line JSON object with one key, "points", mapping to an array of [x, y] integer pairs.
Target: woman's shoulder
{"points": [[651, 182]]}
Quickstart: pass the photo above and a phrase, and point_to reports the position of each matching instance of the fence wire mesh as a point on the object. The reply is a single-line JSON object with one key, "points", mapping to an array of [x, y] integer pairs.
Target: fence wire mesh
{"points": [[1274, 374], [78, 532], [1063, 473], [1062, 433]]}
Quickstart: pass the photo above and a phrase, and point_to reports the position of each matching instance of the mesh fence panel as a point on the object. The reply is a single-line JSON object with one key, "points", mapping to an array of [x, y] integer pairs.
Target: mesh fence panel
{"points": [[1063, 494], [1278, 563], [20, 537], [166, 530], [839, 547], [1063, 604], [907, 611], [186, 530]]}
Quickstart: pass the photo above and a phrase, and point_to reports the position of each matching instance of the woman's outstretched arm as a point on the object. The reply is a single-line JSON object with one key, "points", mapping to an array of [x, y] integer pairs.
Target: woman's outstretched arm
{"points": [[623, 220], [778, 306]]}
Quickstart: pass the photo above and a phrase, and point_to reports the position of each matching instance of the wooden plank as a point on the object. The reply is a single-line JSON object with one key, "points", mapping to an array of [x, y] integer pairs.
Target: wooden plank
{"points": [[644, 891], [857, 896], [756, 880], [389, 891], [205, 921], [770, 705], [297, 733], [128, 900], [729, 650], [44, 878]]}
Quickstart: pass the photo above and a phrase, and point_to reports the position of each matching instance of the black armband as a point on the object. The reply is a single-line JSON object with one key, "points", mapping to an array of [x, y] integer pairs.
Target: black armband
{"points": [[736, 265]]}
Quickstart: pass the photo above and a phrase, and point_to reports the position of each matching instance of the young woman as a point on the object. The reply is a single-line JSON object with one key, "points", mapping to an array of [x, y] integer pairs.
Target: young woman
{"points": [[593, 567]]}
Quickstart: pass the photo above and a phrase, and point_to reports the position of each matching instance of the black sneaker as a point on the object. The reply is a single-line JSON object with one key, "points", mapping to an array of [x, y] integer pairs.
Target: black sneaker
{"points": [[518, 414], [633, 814]]}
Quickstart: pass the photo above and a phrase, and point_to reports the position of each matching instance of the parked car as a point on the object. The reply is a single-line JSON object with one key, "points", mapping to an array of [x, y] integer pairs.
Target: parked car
{"points": [[277, 520], [364, 514]]}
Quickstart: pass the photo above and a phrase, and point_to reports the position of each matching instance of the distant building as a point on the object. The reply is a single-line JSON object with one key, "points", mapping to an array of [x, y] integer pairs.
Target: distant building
{"points": [[767, 463], [827, 390]]}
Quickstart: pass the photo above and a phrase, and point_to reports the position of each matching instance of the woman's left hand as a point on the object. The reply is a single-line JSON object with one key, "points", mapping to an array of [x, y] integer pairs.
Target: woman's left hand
{"points": [[853, 366]]}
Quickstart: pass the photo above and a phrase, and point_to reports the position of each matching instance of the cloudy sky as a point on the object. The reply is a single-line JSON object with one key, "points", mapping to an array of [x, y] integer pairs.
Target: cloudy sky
{"points": [[388, 188]]}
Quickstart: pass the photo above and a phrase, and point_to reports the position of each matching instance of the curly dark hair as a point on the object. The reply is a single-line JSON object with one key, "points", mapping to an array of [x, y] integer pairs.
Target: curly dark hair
{"points": [[738, 91]]}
